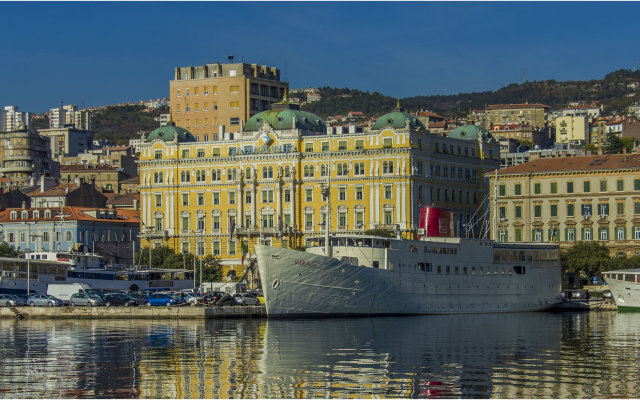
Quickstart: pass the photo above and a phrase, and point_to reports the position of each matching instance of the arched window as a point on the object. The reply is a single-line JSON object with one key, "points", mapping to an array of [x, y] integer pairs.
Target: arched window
{"points": [[323, 170], [232, 174], [342, 169], [308, 171], [267, 172], [247, 173], [216, 175], [287, 171]]}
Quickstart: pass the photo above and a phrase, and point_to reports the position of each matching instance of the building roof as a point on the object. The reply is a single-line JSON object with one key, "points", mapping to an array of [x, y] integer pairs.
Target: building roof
{"points": [[285, 115], [170, 133], [58, 190], [131, 181], [525, 105], [73, 214], [121, 199], [430, 114], [470, 132], [579, 163], [87, 167], [398, 119]]}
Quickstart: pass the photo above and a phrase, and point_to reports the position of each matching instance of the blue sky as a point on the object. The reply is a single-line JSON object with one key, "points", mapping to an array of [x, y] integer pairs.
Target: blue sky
{"points": [[97, 53]]}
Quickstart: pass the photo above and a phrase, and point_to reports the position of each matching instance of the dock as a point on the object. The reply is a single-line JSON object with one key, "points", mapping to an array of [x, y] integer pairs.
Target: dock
{"points": [[140, 312]]}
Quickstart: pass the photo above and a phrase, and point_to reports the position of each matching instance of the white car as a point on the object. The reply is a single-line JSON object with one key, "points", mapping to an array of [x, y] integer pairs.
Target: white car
{"points": [[246, 299]]}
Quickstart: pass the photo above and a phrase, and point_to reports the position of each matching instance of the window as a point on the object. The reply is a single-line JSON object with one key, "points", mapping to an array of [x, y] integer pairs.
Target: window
{"points": [[586, 233], [502, 190], [232, 197], [234, 88], [342, 193], [359, 144], [200, 153], [537, 211], [537, 235], [185, 153], [636, 184], [536, 188], [232, 174], [518, 189], [308, 194], [247, 197], [569, 187], [200, 198], [67, 236], [620, 233], [571, 234], [387, 143], [387, 217], [216, 175], [604, 233], [325, 146], [603, 209], [554, 187], [636, 207], [570, 210], [158, 225], [358, 168], [267, 172], [603, 186], [308, 147], [587, 186], [387, 167], [342, 145], [308, 171], [287, 195], [342, 219], [620, 208], [158, 154], [359, 193], [342, 169], [201, 174], [518, 235], [387, 191], [185, 176], [585, 210], [554, 210], [158, 200], [267, 196], [234, 105], [216, 198], [234, 121], [518, 211], [359, 219], [636, 232], [185, 199], [620, 185], [185, 223]]}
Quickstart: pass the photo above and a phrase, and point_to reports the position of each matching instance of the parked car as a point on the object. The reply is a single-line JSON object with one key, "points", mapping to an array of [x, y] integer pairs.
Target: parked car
{"points": [[119, 299], [246, 299], [138, 296], [21, 300], [192, 298], [8, 300], [259, 295], [161, 299], [44, 300], [84, 299]]}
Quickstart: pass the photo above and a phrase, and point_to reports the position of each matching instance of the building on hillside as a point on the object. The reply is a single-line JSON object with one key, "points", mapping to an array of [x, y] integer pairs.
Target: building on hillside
{"points": [[106, 178], [69, 116], [214, 99], [634, 110], [120, 157], [619, 126], [25, 155], [222, 197], [67, 141], [520, 157], [55, 229], [428, 118], [570, 199], [12, 119], [79, 193], [521, 132], [590, 111], [530, 114], [572, 129]]}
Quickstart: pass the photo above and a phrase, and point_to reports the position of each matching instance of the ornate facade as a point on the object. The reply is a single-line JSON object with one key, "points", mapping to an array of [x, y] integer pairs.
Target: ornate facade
{"points": [[268, 183]]}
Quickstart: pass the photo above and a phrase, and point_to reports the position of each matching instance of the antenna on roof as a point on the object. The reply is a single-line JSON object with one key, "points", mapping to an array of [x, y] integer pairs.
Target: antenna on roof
{"points": [[230, 58]]}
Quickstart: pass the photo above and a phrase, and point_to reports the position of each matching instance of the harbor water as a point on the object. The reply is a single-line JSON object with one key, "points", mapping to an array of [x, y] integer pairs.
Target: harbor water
{"points": [[523, 355]]}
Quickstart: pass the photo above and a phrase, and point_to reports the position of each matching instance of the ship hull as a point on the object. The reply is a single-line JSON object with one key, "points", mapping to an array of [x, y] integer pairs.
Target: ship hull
{"points": [[297, 283], [625, 288]]}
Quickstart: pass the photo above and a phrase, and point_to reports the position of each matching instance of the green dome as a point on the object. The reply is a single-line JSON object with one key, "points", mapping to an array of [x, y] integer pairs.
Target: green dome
{"points": [[470, 132], [283, 119], [171, 132], [398, 120]]}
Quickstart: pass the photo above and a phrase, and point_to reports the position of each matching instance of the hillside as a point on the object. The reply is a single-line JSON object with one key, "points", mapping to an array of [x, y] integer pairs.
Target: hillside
{"points": [[611, 91], [118, 124]]}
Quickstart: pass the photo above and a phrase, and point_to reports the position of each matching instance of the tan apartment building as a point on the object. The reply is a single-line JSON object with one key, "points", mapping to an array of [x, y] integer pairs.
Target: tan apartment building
{"points": [[24, 155], [529, 114], [214, 101], [565, 200], [572, 129]]}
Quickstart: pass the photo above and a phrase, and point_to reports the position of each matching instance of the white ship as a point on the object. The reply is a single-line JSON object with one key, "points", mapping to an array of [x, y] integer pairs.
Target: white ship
{"points": [[88, 268], [436, 274], [625, 288]]}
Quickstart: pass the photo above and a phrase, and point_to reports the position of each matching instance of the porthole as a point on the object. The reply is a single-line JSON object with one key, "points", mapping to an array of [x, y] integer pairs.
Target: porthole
{"points": [[275, 284]]}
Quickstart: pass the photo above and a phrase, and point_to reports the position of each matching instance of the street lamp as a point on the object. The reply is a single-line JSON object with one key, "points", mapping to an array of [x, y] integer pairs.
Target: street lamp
{"points": [[28, 256]]}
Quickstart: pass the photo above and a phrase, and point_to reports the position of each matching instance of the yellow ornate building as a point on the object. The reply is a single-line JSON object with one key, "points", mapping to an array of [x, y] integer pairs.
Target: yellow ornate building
{"points": [[221, 197]]}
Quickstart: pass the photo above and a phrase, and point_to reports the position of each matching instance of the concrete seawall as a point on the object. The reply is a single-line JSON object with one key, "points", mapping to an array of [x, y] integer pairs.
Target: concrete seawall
{"points": [[181, 312]]}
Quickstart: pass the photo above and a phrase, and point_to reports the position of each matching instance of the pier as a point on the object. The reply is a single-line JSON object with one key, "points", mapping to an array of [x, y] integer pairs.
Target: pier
{"points": [[141, 312]]}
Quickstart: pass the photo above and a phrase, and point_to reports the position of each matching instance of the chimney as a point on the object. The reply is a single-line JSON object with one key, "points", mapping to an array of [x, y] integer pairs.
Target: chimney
{"points": [[42, 184], [24, 205]]}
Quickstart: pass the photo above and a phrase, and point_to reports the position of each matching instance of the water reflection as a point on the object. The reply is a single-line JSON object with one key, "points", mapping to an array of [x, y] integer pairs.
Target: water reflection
{"points": [[529, 355]]}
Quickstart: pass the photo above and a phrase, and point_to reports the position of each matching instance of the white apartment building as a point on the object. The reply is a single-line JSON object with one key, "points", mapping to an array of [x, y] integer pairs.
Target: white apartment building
{"points": [[11, 119], [69, 116]]}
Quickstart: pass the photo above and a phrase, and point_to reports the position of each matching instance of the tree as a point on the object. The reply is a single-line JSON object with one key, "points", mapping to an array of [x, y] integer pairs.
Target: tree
{"points": [[586, 259], [7, 250], [614, 144], [166, 257]]}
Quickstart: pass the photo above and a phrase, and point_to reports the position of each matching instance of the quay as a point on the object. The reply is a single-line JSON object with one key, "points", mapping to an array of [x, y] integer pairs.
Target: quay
{"points": [[141, 312]]}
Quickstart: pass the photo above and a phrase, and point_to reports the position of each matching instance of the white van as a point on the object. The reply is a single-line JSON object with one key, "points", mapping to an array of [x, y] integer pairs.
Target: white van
{"points": [[63, 291]]}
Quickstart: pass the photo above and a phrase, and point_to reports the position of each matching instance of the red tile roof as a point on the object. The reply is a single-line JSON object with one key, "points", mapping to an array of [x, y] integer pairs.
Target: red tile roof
{"points": [[429, 114], [525, 105], [580, 163], [72, 214]]}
